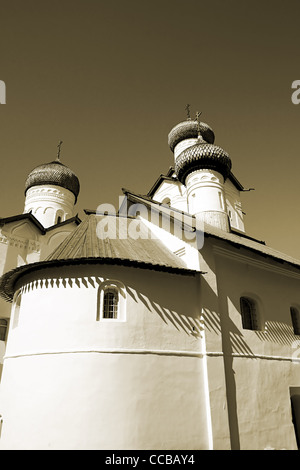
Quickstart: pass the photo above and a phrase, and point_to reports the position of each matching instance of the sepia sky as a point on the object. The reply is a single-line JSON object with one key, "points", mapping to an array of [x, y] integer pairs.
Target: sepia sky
{"points": [[110, 79]]}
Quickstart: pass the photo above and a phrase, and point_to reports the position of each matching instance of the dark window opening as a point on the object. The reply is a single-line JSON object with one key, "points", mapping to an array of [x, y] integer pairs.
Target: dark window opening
{"points": [[249, 314], [110, 303], [295, 315], [295, 404], [3, 329]]}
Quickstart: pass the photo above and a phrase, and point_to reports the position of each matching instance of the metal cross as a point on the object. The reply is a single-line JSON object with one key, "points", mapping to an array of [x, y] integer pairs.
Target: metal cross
{"points": [[198, 121], [58, 152], [187, 108], [198, 116]]}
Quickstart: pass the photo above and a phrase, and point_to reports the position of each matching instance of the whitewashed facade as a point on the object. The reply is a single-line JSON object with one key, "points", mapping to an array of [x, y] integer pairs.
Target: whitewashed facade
{"points": [[185, 337]]}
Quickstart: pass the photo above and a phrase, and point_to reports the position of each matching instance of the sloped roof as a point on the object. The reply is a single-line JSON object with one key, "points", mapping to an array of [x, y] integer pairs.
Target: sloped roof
{"points": [[87, 245], [104, 236], [26, 216], [233, 237], [31, 218]]}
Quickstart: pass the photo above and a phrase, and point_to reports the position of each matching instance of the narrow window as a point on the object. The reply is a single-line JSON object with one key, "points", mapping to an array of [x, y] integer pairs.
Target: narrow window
{"points": [[249, 313], [295, 315], [110, 303], [295, 403], [3, 328], [58, 219], [221, 200]]}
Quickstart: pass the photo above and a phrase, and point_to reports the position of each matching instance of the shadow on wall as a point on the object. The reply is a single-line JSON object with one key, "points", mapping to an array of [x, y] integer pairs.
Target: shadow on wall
{"points": [[157, 295], [222, 316], [277, 332], [212, 321], [187, 323], [281, 333]]}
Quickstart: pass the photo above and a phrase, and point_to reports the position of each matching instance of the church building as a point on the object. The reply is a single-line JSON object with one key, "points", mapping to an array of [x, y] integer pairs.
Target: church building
{"points": [[159, 325]]}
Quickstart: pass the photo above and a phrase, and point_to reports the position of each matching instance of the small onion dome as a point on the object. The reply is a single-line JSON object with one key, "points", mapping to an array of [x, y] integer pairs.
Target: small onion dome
{"points": [[189, 129], [199, 156], [54, 173]]}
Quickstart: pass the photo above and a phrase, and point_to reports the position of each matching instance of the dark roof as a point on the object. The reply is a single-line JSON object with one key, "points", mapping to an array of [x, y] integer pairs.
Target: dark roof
{"points": [[87, 242], [54, 173], [189, 129], [235, 181], [202, 155], [85, 246]]}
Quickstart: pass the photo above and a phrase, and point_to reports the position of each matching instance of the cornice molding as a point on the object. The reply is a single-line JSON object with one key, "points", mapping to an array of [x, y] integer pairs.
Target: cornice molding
{"points": [[267, 266]]}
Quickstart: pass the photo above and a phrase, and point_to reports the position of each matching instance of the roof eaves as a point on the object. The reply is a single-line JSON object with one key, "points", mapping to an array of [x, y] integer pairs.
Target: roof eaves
{"points": [[148, 200], [256, 247], [160, 179], [27, 215], [8, 280], [75, 219], [235, 181], [234, 238]]}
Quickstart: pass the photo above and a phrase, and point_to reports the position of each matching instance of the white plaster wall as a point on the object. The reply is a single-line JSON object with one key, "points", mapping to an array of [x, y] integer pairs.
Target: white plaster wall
{"points": [[260, 366], [234, 206], [21, 243], [175, 191], [206, 199], [52, 239], [47, 202], [70, 381]]}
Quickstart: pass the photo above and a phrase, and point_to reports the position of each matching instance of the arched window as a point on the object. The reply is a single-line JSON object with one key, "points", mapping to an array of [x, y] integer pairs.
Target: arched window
{"points": [[295, 316], [110, 303], [3, 328], [249, 311]]}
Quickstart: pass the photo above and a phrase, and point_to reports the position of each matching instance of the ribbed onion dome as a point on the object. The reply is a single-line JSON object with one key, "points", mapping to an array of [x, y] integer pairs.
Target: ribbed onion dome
{"points": [[54, 173], [202, 155], [188, 130]]}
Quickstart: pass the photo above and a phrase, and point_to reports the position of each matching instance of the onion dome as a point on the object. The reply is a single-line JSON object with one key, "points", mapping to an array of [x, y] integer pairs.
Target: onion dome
{"points": [[202, 155], [54, 173], [190, 129]]}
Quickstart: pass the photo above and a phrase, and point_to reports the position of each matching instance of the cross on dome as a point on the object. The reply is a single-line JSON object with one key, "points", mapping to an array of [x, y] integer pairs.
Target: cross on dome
{"points": [[59, 147]]}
